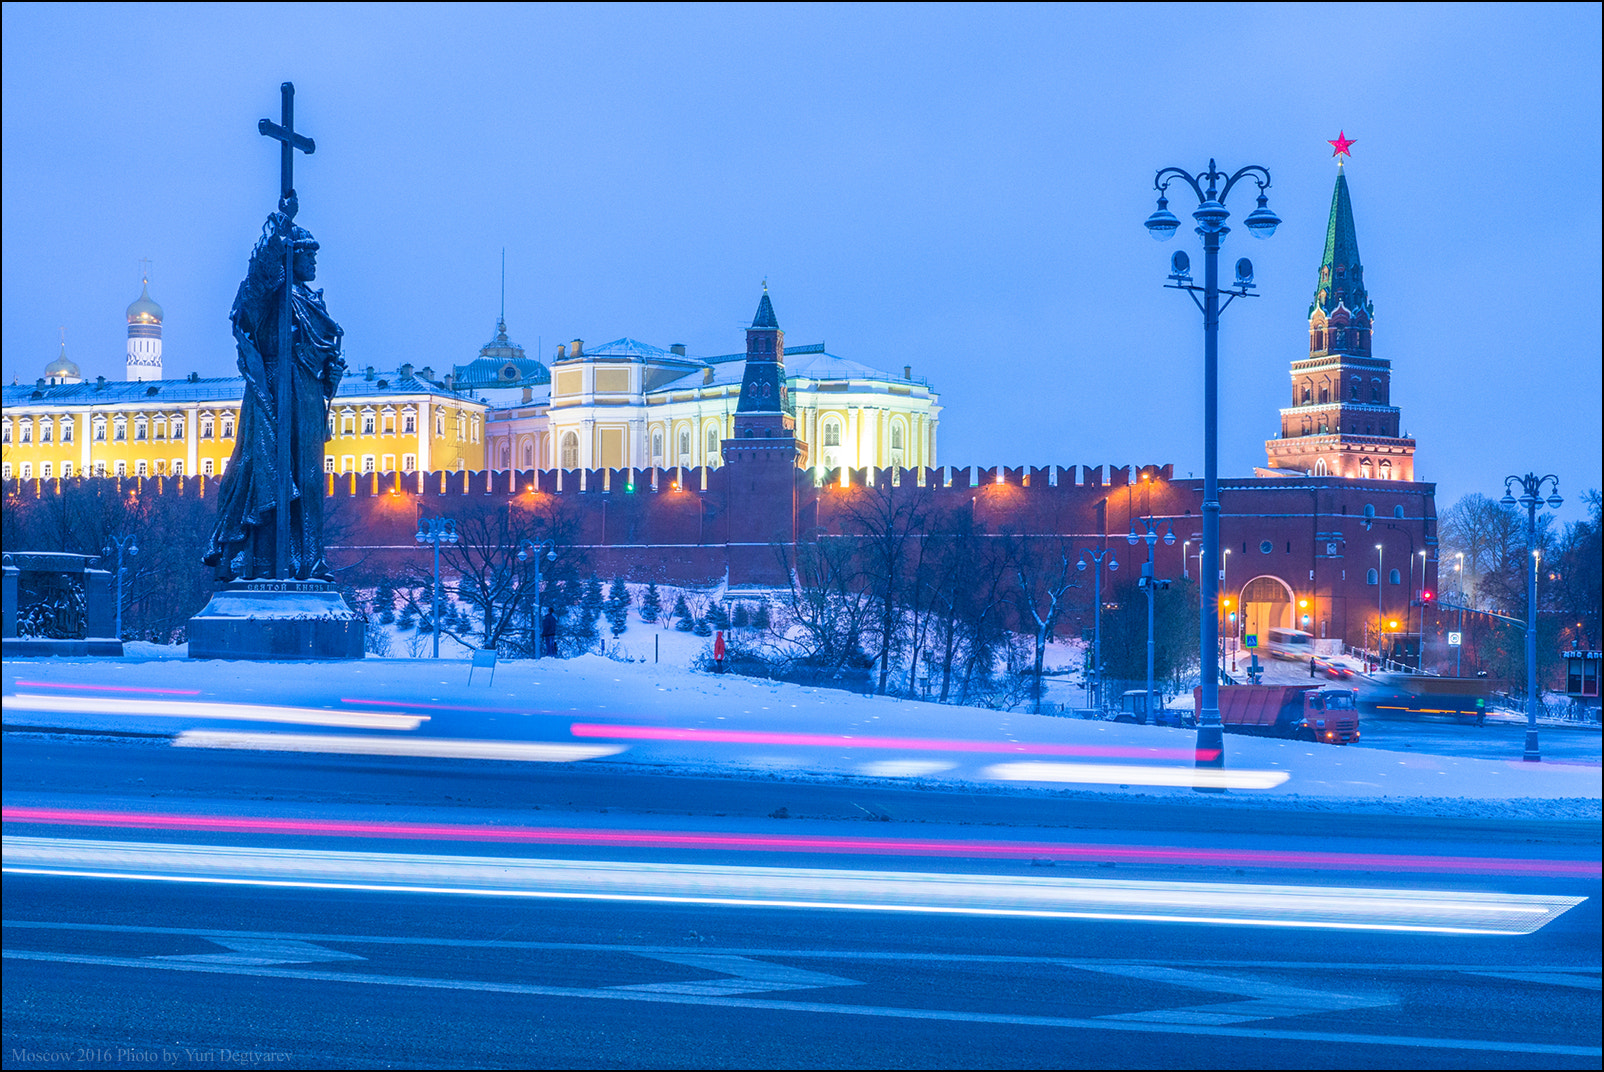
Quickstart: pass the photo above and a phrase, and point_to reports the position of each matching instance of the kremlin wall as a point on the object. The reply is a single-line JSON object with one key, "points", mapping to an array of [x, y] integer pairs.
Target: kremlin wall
{"points": [[1332, 536]]}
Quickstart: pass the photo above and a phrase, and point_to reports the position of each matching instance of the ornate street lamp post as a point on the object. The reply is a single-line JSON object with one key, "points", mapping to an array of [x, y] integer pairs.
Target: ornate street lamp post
{"points": [[1211, 215], [529, 551], [1097, 623], [121, 543], [1531, 497], [436, 530], [1381, 586], [1149, 582]]}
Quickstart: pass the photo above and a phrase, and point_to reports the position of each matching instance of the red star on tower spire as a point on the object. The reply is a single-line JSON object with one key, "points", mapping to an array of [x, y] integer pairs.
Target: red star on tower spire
{"points": [[1341, 145]]}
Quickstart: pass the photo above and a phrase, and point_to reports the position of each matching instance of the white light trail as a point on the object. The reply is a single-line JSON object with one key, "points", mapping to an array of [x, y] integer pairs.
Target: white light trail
{"points": [[1249, 904], [433, 747], [1112, 774], [192, 709]]}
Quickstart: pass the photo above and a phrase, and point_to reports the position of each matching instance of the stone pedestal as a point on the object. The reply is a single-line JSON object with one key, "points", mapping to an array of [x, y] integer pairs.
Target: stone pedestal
{"points": [[277, 620]]}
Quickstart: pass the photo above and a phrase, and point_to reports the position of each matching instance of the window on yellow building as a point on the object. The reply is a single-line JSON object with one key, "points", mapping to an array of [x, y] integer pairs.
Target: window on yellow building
{"points": [[100, 429], [5, 432], [328, 463], [161, 467], [389, 421], [27, 470], [66, 469], [140, 429], [440, 425], [27, 431], [66, 429], [178, 467], [570, 451], [100, 469], [228, 426], [409, 463], [409, 421], [368, 463], [120, 434], [46, 430], [388, 465], [206, 467], [44, 470], [348, 464], [178, 426], [141, 468], [206, 426], [5, 470], [368, 422], [158, 428]]}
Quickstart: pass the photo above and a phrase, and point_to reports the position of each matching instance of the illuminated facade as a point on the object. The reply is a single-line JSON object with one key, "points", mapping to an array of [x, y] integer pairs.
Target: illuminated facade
{"points": [[631, 404], [379, 422]]}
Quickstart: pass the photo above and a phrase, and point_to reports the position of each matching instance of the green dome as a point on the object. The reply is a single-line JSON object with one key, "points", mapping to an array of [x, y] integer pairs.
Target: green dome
{"points": [[145, 311]]}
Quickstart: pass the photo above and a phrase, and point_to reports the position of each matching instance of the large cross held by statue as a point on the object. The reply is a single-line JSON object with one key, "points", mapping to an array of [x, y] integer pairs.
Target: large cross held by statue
{"points": [[289, 141]]}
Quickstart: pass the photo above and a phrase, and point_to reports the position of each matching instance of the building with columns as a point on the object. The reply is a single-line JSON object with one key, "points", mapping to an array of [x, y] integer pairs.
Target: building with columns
{"points": [[628, 403]]}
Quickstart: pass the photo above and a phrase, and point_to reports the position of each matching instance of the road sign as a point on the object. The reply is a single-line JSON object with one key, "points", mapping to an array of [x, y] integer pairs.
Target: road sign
{"points": [[1453, 640], [1251, 640]]}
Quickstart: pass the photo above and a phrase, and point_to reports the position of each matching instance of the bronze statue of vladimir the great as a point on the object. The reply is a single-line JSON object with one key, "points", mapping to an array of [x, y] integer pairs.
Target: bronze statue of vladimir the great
{"points": [[245, 542]]}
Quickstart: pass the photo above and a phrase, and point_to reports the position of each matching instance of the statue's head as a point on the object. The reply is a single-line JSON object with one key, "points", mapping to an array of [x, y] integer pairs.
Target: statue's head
{"points": [[267, 259]]}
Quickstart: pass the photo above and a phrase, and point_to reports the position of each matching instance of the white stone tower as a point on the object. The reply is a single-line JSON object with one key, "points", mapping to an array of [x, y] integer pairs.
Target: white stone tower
{"points": [[145, 337]]}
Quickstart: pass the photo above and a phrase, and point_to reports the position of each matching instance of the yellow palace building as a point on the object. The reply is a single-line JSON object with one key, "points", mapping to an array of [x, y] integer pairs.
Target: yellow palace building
{"points": [[65, 426]]}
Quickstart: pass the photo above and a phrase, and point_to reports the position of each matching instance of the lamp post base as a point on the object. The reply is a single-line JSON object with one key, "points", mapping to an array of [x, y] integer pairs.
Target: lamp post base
{"points": [[1532, 755]]}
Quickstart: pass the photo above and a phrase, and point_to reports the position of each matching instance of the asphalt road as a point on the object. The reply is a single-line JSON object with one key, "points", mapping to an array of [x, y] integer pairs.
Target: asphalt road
{"points": [[311, 911]]}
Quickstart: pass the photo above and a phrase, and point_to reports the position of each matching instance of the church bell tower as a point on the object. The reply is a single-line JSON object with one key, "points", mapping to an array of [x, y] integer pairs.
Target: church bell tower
{"points": [[144, 336]]}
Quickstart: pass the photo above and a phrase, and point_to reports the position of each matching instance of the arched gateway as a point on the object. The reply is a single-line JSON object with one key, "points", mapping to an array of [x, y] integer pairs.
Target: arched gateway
{"points": [[1266, 604]]}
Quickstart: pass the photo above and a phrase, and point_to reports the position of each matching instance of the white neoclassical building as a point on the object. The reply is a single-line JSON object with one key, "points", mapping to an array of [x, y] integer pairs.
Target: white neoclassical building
{"points": [[628, 403]]}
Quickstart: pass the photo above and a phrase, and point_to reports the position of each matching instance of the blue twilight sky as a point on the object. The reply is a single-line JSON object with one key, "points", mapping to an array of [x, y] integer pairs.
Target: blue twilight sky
{"points": [[960, 189]]}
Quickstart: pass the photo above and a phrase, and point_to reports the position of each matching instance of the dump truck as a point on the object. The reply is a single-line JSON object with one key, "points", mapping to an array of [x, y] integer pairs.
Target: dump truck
{"points": [[1424, 696], [1304, 712]]}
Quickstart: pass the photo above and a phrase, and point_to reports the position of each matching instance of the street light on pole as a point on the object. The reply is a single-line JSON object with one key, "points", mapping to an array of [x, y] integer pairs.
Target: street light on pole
{"points": [[436, 531], [1097, 622], [121, 543], [1150, 582], [529, 551], [1381, 587], [1531, 497], [1210, 215], [1459, 584]]}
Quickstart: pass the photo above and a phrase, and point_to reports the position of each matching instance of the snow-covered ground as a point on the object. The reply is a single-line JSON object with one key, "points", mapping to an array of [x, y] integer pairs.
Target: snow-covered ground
{"points": [[656, 712]]}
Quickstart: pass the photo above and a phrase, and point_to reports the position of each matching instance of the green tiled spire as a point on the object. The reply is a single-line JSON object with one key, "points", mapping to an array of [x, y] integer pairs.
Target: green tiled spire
{"points": [[1341, 274]]}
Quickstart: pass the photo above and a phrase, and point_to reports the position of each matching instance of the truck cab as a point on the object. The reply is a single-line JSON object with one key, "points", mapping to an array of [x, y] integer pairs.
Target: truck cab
{"points": [[1133, 708]]}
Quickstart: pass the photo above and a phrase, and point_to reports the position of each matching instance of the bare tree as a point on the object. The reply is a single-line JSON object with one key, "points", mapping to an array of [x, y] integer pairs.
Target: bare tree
{"points": [[887, 522], [1042, 569]]}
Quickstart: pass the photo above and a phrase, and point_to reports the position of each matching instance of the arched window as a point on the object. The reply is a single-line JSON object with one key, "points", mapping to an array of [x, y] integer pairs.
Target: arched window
{"points": [[832, 432], [1325, 393], [712, 445], [1320, 467], [529, 455], [178, 426], [684, 446], [506, 455], [570, 450], [1386, 470], [657, 447], [1394, 577], [1308, 394], [1371, 575], [1397, 511]]}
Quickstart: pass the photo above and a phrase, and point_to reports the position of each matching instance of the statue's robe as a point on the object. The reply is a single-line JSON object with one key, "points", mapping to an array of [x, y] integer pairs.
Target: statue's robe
{"points": [[243, 542]]}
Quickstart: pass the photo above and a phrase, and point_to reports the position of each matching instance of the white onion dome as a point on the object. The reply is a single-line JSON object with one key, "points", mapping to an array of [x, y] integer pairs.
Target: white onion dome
{"points": [[62, 368]]}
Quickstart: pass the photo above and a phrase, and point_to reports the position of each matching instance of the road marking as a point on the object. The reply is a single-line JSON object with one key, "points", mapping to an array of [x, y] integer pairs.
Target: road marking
{"points": [[1268, 1001], [1130, 774], [1553, 978], [750, 976], [627, 994], [1243, 904], [261, 951]]}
